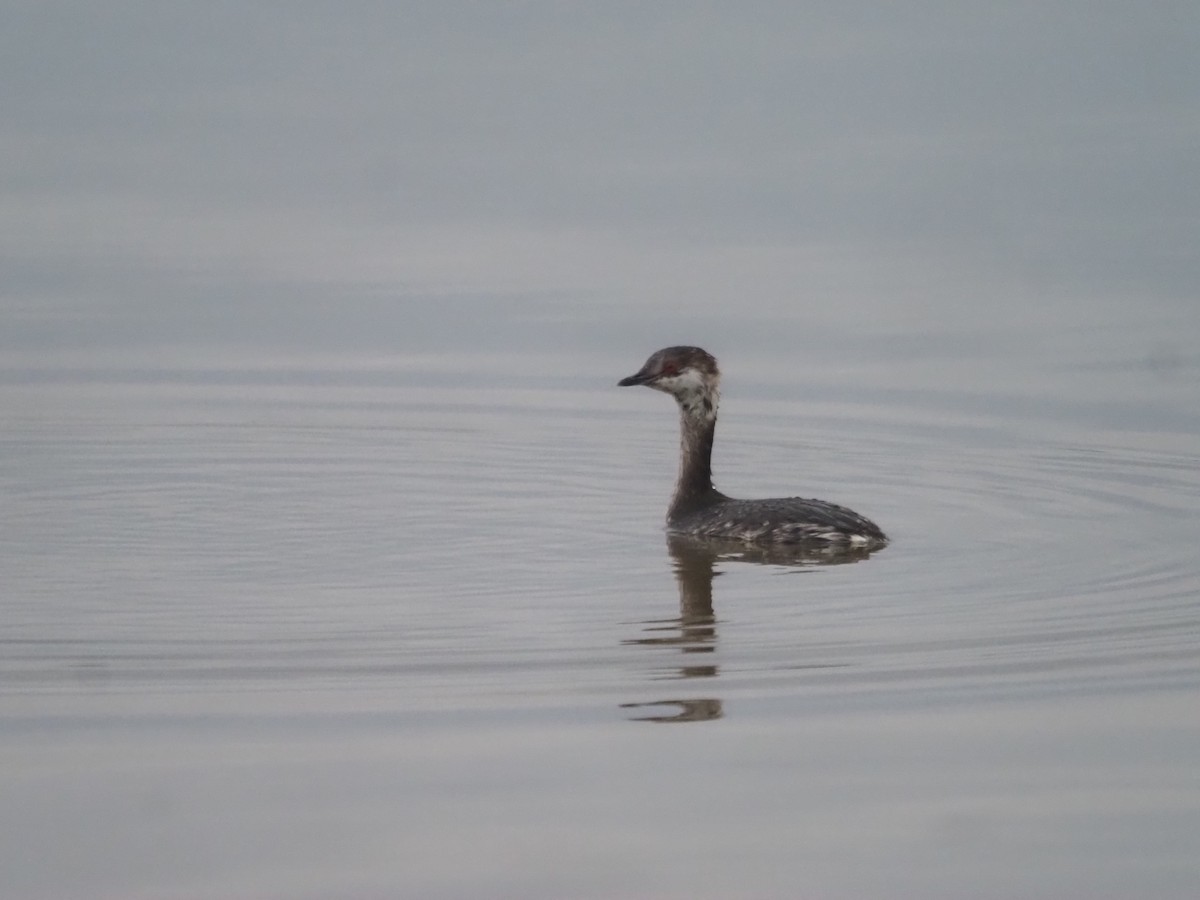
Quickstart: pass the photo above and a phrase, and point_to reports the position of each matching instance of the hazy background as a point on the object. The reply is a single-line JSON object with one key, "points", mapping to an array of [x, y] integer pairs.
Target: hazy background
{"points": [[681, 154]]}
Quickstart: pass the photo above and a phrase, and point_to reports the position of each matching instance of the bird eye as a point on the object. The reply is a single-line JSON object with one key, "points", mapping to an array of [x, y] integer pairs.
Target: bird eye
{"points": [[670, 369]]}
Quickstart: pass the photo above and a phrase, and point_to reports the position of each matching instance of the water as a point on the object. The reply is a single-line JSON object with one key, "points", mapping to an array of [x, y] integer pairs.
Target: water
{"points": [[383, 607], [331, 561]]}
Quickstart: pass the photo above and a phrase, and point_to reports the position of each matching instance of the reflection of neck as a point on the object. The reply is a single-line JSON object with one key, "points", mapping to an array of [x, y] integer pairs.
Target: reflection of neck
{"points": [[694, 575], [694, 490]]}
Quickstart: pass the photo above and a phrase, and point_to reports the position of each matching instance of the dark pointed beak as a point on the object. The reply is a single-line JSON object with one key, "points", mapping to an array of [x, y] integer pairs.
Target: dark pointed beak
{"points": [[640, 378]]}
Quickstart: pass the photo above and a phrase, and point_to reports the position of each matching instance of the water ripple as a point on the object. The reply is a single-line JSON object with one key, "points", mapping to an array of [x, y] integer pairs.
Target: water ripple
{"points": [[445, 550]]}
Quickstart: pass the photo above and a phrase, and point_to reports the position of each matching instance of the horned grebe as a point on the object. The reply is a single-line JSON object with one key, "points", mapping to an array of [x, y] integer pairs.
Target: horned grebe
{"points": [[697, 508]]}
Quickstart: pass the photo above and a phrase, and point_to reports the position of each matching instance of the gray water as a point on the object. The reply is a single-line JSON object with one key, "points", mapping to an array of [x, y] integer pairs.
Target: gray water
{"points": [[356, 623], [331, 556]]}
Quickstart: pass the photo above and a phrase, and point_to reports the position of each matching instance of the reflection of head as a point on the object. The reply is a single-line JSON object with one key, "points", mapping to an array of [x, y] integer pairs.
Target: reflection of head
{"points": [[700, 709]]}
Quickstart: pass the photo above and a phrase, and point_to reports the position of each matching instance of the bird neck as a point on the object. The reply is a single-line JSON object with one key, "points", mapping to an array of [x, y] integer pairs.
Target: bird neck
{"points": [[697, 426]]}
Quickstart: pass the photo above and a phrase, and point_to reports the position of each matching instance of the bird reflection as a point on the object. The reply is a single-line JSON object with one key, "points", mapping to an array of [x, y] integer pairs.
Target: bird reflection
{"points": [[694, 630]]}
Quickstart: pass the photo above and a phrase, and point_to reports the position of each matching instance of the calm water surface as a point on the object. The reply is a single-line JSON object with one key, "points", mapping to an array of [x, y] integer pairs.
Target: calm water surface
{"points": [[318, 619]]}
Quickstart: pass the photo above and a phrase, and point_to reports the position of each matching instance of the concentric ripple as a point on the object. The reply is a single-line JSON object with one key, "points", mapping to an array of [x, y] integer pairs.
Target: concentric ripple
{"points": [[1016, 567], [476, 547]]}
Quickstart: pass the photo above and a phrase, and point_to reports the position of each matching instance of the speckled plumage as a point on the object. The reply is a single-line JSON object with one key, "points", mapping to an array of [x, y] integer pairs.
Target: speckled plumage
{"points": [[785, 520], [697, 508]]}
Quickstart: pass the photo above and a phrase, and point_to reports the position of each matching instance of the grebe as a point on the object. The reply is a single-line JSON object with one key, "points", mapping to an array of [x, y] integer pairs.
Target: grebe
{"points": [[699, 509]]}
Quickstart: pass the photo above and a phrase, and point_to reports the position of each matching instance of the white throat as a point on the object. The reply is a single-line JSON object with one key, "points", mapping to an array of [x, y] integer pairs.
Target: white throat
{"points": [[697, 397]]}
